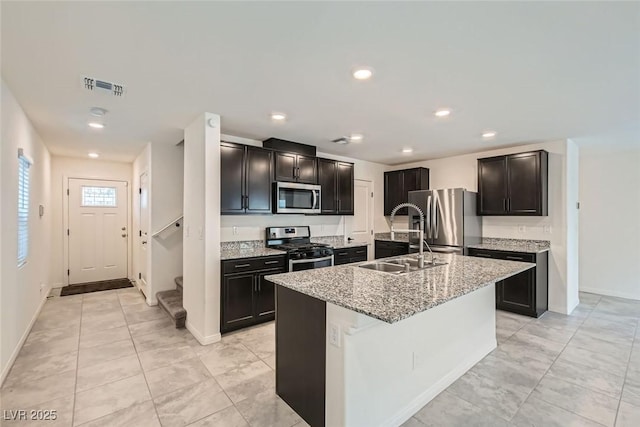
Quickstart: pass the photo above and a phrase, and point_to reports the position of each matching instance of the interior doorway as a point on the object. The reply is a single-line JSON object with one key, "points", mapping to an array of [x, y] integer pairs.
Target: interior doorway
{"points": [[97, 232]]}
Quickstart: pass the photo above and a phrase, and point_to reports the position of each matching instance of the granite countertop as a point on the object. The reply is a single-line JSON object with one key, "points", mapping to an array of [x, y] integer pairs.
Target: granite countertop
{"points": [[349, 245], [246, 249], [399, 237], [390, 297], [512, 245]]}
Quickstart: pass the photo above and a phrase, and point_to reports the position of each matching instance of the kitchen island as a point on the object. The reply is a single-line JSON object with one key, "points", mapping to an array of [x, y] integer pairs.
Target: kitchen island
{"points": [[357, 347]]}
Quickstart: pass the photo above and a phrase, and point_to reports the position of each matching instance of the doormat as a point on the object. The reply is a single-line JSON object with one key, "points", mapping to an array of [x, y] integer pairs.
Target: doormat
{"points": [[85, 288]]}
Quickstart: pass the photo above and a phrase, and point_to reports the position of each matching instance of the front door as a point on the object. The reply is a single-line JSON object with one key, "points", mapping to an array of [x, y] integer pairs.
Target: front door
{"points": [[362, 230], [97, 233], [143, 236]]}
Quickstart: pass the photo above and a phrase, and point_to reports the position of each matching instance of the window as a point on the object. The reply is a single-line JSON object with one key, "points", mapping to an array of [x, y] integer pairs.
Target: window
{"points": [[23, 207], [105, 197]]}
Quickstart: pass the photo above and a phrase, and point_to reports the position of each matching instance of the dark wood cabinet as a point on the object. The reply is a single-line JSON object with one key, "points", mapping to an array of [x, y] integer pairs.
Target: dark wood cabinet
{"points": [[292, 167], [515, 184], [349, 255], [386, 248], [397, 185], [247, 298], [524, 293], [337, 181], [245, 177]]}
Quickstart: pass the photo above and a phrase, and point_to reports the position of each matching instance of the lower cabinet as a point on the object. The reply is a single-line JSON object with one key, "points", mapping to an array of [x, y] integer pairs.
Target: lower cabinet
{"points": [[246, 297], [386, 248], [527, 292], [349, 255]]}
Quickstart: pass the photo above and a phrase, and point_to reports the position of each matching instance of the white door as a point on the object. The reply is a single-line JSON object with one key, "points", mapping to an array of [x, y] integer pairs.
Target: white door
{"points": [[143, 235], [98, 235], [362, 230]]}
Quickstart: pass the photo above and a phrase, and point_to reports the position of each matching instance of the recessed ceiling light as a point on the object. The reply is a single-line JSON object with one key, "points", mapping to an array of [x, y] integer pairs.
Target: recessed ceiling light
{"points": [[356, 137], [407, 150], [280, 117], [489, 134], [444, 112], [362, 73], [97, 111], [96, 125], [94, 155]]}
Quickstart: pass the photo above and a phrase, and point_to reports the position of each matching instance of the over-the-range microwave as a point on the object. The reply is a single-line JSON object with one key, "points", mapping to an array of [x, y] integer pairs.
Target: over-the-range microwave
{"points": [[293, 198]]}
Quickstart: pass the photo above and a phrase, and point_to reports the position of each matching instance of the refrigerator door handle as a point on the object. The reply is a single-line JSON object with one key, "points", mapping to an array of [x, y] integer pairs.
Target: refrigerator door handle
{"points": [[428, 218], [434, 220]]}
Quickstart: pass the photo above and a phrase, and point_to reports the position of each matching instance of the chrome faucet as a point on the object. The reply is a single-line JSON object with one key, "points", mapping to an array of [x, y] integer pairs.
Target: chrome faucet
{"points": [[420, 231]]}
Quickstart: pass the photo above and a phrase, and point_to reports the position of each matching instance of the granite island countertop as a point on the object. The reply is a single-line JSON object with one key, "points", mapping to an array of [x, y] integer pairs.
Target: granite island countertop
{"points": [[394, 297], [512, 245]]}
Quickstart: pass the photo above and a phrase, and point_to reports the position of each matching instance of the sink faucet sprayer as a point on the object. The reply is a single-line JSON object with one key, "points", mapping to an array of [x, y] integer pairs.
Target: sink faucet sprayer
{"points": [[420, 231]]}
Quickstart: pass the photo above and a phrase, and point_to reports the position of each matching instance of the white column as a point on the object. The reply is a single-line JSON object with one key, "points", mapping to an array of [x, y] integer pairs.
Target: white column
{"points": [[201, 254]]}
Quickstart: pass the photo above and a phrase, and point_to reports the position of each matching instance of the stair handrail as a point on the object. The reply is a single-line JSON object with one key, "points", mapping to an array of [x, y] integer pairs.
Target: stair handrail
{"points": [[174, 222]]}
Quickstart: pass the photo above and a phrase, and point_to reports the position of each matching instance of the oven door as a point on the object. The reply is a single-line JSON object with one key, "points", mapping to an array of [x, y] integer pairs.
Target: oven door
{"points": [[308, 264], [296, 198]]}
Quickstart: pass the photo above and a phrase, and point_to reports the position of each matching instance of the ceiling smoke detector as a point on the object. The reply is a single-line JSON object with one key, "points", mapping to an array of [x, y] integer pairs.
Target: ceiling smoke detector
{"points": [[103, 86], [342, 140]]}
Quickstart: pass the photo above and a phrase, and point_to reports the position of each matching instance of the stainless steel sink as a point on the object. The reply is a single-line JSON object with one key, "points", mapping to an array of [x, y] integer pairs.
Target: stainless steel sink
{"points": [[400, 265]]}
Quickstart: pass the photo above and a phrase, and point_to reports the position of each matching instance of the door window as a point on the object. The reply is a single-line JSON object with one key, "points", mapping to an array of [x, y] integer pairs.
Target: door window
{"points": [[105, 197]]}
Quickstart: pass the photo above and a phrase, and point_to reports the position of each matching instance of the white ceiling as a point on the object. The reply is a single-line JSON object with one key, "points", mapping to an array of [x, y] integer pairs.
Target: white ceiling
{"points": [[530, 70]]}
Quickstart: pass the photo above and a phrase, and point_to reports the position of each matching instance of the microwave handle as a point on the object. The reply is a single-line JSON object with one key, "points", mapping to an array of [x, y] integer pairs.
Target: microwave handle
{"points": [[315, 198]]}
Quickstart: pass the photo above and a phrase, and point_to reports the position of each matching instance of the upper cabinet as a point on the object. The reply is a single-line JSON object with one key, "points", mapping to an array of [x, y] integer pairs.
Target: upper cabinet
{"points": [[246, 176], [397, 185], [336, 179], [515, 184], [292, 167]]}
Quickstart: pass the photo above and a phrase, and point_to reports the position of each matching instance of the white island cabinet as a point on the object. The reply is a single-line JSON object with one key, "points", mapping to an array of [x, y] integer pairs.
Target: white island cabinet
{"points": [[362, 348]]}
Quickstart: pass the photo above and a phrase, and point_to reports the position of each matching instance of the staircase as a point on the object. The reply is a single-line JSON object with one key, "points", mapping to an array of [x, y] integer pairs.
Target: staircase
{"points": [[171, 302]]}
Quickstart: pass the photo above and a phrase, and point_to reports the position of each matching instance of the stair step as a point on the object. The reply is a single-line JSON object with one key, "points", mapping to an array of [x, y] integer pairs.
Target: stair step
{"points": [[178, 281], [171, 302]]}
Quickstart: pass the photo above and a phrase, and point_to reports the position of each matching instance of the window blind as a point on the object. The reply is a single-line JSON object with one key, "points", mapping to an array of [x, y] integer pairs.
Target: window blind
{"points": [[23, 207]]}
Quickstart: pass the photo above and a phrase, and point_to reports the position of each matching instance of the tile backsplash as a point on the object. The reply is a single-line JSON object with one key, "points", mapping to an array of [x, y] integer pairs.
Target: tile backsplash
{"points": [[252, 227]]}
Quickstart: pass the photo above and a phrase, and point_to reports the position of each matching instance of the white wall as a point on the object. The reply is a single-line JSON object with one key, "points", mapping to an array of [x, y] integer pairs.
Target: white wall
{"points": [[201, 254], [610, 216], [252, 227], [141, 164], [63, 168], [22, 290], [461, 171]]}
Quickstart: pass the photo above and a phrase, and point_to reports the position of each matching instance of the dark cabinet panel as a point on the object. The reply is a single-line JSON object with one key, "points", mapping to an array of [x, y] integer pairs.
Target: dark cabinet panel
{"points": [[245, 179], [515, 184], [492, 185], [385, 248], [524, 293], [258, 184], [345, 188], [238, 292], [307, 170], [350, 255], [337, 182], [291, 167], [265, 300], [397, 185], [247, 298], [285, 167], [328, 180], [232, 172]]}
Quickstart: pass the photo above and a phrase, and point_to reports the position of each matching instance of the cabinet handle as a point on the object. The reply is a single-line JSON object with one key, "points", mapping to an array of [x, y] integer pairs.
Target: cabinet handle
{"points": [[504, 204], [294, 172], [359, 252], [242, 265], [483, 255], [515, 258], [270, 262], [259, 284], [246, 202], [509, 204], [342, 253]]}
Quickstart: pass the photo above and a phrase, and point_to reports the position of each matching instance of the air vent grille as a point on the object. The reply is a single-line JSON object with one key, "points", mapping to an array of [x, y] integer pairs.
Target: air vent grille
{"points": [[93, 84]]}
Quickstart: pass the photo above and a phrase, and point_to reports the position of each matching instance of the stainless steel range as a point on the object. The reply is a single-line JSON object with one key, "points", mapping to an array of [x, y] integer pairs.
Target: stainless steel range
{"points": [[301, 253]]}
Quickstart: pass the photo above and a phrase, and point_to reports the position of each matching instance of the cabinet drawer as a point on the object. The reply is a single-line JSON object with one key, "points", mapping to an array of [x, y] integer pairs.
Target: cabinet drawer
{"points": [[349, 255], [509, 256], [252, 264]]}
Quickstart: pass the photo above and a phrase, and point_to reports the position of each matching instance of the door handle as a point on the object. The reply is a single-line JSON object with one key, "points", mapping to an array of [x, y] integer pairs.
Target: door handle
{"points": [[124, 235], [144, 242], [123, 228]]}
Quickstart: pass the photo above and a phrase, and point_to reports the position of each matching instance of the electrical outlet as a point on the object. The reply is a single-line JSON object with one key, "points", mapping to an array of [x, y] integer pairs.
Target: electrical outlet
{"points": [[417, 360], [200, 233], [235, 230], [334, 334], [42, 287], [522, 228], [546, 229]]}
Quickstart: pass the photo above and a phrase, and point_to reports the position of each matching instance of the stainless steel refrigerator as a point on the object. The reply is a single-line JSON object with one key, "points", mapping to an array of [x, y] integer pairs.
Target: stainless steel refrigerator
{"points": [[451, 221]]}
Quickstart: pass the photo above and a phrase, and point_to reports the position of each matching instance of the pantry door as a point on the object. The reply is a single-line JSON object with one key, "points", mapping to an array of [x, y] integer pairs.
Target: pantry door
{"points": [[97, 234]]}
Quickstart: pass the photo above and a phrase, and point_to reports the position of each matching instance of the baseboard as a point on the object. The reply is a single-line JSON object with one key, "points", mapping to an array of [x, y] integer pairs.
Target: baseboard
{"points": [[610, 293], [16, 351], [204, 340], [428, 395]]}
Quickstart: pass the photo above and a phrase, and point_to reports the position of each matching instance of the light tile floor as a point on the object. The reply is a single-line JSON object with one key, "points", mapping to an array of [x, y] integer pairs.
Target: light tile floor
{"points": [[107, 359]]}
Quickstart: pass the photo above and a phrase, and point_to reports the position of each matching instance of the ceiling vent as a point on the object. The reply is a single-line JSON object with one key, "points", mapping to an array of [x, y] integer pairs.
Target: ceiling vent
{"points": [[102, 86], [341, 141]]}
